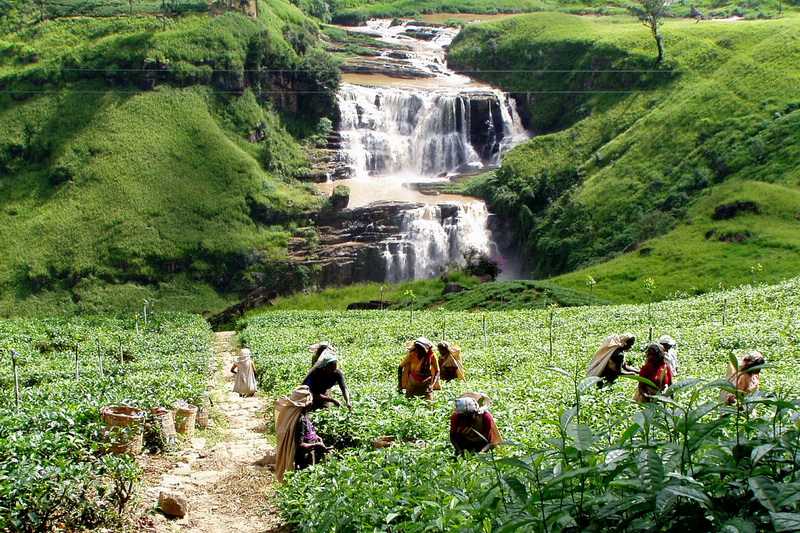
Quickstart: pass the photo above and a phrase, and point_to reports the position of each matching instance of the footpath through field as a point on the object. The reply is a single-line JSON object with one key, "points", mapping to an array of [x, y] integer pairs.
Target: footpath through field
{"points": [[222, 476]]}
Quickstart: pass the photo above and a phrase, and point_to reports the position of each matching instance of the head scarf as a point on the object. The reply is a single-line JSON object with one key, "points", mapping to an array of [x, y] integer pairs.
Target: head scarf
{"points": [[607, 349], [315, 349], [287, 412], [666, 339], [244, 357], [466, 405], [422, 341]]}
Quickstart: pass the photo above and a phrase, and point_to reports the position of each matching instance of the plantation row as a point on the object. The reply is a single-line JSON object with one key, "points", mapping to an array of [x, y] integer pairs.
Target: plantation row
{"points": [[581, 457], [52, 469]]}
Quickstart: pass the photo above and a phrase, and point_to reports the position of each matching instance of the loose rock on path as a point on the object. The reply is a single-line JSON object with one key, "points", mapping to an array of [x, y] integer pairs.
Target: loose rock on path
{"points": [[227, 488]]}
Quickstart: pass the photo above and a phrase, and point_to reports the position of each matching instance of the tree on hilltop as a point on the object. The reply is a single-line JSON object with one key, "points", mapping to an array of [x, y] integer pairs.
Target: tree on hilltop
{"points": [[651, 13]]}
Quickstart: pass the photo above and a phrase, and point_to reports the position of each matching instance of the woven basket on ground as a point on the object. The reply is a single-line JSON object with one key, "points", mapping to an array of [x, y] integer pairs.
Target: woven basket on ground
{"points": [[166, 425], [124, 428], [185, 418], [202, 417]]}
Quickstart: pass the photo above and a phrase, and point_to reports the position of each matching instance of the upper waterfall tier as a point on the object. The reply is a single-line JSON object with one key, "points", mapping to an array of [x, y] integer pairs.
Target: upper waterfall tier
{"points": [[411, 132]]}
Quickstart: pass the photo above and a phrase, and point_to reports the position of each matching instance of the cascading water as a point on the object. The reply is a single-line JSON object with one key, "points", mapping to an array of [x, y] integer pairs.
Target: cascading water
{"points": [[392, 135], [434, 235], [388, 131]]}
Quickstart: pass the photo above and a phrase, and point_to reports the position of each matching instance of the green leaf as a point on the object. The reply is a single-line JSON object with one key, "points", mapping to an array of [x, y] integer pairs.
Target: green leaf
{"points": [[582, 436], [390, 517], [785, 521], [789, 494], [760, 451], [651, 469], [683, 385], [690, 493], [559, 370], [588, 383], [630, 432], [734, 361], [765, 491], [640, 379], [724, 384], [517, 488]]}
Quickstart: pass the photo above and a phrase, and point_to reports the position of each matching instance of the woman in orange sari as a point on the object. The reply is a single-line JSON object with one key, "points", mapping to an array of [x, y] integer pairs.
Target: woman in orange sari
{"points": [[418, 374]]}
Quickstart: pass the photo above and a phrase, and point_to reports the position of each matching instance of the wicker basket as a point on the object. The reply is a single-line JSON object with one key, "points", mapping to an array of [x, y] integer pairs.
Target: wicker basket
{"points": [[202, 417], [124, 429], [185, 418], [166, 425]]}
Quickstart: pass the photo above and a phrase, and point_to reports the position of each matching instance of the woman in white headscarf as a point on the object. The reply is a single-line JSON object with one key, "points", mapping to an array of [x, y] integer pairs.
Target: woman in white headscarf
{"points": [[418, 373], [245, 370], [472, 428], [298, 443], [609, 361], [322, 377]]}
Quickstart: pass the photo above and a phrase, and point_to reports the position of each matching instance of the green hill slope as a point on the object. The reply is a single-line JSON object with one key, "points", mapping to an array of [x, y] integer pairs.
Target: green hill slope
{"points": [[635, 147], [126, 169]]}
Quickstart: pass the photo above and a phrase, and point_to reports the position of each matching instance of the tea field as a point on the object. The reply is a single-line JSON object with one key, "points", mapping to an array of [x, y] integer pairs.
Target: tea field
{"points": [[577, 458], [53, 473]]}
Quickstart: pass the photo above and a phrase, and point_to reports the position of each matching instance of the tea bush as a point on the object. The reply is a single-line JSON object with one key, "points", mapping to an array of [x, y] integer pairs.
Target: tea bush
{"points": [[52, 469], [582, 458]]}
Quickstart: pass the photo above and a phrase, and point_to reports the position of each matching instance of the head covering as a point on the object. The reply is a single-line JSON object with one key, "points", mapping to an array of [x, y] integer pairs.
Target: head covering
{"points": [[422, 341], [482, 401], [452, 349], [319, 350], [666, 339], [287, 412], [245, 356], [326, 357], [301, 396], [606, 350], [466, 405], [324, 344]]}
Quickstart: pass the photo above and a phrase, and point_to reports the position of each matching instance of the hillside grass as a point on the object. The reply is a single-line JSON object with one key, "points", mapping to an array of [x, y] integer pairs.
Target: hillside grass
{"points": [[636, 148], [427, 294], [357, 11], [110, 193]]}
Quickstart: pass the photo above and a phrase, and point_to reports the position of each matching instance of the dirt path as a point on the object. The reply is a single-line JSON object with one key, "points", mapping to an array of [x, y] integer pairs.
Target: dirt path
{"points": [[226, 490]]}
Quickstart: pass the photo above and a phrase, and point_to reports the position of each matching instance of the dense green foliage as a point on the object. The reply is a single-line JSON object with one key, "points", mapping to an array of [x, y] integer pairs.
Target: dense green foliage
{"points": [[52, 469], [428, 294], [125, 162], [631, 151], [581, 456], [357, 11]]}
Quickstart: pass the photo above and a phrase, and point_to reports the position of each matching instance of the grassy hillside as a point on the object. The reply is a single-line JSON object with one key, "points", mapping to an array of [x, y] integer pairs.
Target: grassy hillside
{"points": [[357, 11], [126, 167], [427, 294], [638, 150]]}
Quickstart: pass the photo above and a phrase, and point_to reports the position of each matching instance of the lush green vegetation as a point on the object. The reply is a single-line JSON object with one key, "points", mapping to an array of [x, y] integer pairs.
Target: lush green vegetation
{"points": [[427, 294], [357, 11], [126, 167], [631, 151], [53, 472], [581, 457]]}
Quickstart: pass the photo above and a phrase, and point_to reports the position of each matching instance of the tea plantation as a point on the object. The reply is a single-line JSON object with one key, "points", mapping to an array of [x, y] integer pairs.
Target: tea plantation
{"points": [[577, 458]]}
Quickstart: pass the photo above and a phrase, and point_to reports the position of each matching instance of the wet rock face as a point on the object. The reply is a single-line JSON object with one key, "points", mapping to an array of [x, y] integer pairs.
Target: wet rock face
{"points": [[487, 127]]}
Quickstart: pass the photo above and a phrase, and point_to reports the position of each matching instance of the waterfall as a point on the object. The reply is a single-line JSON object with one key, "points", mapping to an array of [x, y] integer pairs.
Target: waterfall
{"points": [[422, 131], [392, 131], [433, 236]]}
